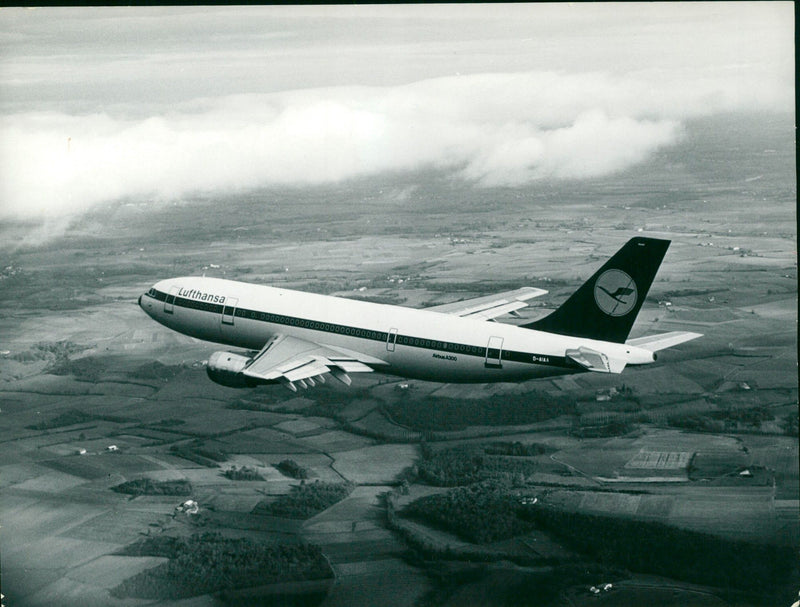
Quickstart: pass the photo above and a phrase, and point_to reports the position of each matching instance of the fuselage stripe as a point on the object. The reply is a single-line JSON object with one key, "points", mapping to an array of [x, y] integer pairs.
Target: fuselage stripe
{"points": [[380, 336]]}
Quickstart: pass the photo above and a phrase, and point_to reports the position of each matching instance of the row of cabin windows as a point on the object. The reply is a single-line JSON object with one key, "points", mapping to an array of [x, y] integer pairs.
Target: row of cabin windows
{"points": [[440, 345], [365, 333], [312, 324], [342, 329]]}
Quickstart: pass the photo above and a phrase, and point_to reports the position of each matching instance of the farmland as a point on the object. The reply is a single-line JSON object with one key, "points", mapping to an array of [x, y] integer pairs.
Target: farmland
{"points": [[698, 442]]}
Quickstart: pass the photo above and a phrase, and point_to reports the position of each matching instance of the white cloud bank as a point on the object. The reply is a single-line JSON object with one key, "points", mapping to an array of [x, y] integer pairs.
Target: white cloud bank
{"points": [[489, 129]]}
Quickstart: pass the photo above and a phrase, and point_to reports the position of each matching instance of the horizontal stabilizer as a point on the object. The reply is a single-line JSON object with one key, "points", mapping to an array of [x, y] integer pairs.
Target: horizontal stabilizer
{"points": [[654, 343]]}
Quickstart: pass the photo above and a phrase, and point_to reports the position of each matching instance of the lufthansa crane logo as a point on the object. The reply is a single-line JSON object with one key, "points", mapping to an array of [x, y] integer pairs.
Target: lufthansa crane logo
{"points": [[615, 293]]}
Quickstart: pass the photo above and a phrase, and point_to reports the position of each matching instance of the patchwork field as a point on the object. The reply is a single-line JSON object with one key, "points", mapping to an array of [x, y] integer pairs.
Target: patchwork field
{"points": [[702, 440]]}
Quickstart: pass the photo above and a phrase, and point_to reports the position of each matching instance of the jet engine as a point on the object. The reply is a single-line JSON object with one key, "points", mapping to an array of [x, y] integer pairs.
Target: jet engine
{"points": [[226, 368]]}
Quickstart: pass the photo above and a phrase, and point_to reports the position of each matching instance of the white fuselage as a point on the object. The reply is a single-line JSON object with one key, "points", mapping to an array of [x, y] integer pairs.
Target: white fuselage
{"points": [[401, 341]]}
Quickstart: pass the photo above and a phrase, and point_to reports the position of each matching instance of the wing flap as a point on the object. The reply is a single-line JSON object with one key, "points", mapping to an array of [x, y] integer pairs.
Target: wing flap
{"points": [[306, 371], [352, 366], [295, 361]]}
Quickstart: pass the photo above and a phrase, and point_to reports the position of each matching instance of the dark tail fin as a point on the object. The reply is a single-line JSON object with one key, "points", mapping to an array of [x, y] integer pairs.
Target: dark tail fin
{"points": [[605, 307]]}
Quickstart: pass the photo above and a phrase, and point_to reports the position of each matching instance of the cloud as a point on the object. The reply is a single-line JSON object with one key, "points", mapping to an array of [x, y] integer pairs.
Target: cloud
{"points": [[488, 129], [593, 145]]}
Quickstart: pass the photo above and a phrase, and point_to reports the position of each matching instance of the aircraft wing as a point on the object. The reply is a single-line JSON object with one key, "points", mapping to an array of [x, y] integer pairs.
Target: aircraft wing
{"points": [[654, 343], [292, 361], [490, 306]]}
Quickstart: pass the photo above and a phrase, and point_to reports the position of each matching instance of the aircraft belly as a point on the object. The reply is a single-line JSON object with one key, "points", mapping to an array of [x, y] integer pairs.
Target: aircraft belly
{"points": [[421, 364]]}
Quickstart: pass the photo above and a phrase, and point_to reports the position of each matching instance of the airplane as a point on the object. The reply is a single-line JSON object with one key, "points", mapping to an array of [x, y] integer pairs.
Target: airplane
{"points": [[297, 338]]}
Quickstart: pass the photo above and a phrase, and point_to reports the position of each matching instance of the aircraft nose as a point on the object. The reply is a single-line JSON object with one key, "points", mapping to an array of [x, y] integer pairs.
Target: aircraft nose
{"points": [[140, 301]]}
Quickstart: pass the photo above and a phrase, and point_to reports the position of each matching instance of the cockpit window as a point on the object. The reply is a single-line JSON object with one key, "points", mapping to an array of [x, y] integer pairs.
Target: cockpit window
{"points": [[152, 292]]}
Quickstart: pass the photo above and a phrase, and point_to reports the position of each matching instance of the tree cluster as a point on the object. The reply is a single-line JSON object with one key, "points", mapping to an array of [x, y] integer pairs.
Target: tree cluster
{"points": [[753, 416], [156, 370], [467, 464], [291, 468], [428, 549], [208, 562], [523, 587], [721, 420], [516, 449], [59, 351], [306, 500], [480, 513], [245, 473], [146, 486], [653, 547], [88, 369], [696, 422], [613, 427], [790, 424]]}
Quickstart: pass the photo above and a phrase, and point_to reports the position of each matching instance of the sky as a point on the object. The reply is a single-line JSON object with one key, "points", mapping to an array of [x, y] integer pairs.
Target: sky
{"points": [[159, 103]]}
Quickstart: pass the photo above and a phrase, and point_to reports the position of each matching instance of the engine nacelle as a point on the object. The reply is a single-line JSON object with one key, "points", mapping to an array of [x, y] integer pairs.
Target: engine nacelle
{"points": [[226, 368]]}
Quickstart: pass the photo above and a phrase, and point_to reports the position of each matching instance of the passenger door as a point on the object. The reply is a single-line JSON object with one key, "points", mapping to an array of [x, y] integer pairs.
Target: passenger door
{"points": [[391, 340], [229, 311], [169, 302], [494, 353]]}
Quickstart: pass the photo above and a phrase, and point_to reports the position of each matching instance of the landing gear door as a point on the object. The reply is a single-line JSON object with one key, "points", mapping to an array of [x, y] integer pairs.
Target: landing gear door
{"points": [[494, 353], [169, 302], [229, 310]]}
